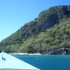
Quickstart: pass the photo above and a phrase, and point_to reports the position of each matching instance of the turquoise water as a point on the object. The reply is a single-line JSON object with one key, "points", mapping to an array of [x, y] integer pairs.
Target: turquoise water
{"points": [[47, 62]]}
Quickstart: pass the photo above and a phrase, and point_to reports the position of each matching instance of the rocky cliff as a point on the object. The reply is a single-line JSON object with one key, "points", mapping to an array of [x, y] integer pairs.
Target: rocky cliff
{"points": [[27, 37]]}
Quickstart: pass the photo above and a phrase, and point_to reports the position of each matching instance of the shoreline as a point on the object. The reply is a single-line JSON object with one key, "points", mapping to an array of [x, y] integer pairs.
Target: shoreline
{"points": [[33, 54], [25, 53]]}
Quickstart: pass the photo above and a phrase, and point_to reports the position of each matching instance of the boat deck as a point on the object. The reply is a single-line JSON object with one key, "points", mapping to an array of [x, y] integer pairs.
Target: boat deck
{"points": [[9, 62]]}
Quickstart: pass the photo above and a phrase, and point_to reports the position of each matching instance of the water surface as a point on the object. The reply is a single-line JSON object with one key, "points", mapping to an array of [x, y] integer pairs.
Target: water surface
{"points": [[47, 62]]}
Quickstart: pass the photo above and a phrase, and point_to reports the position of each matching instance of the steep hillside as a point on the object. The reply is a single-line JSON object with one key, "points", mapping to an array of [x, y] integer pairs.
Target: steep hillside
{"points": [[49, 31]]}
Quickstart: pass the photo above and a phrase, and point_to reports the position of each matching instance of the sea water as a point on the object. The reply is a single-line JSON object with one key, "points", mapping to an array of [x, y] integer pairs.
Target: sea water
{"points": [[47, 62]]}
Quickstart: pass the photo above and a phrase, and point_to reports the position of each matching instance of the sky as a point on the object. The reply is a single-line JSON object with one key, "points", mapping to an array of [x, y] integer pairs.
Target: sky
{"points": [[15, 13]]}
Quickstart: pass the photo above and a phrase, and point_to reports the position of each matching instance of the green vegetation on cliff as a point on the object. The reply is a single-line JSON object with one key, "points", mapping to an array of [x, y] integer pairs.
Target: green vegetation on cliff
{"points": [[47, 32]]}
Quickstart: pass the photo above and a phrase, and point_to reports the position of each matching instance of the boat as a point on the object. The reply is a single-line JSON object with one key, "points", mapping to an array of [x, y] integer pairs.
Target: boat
{"points": [[9, 62]]}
